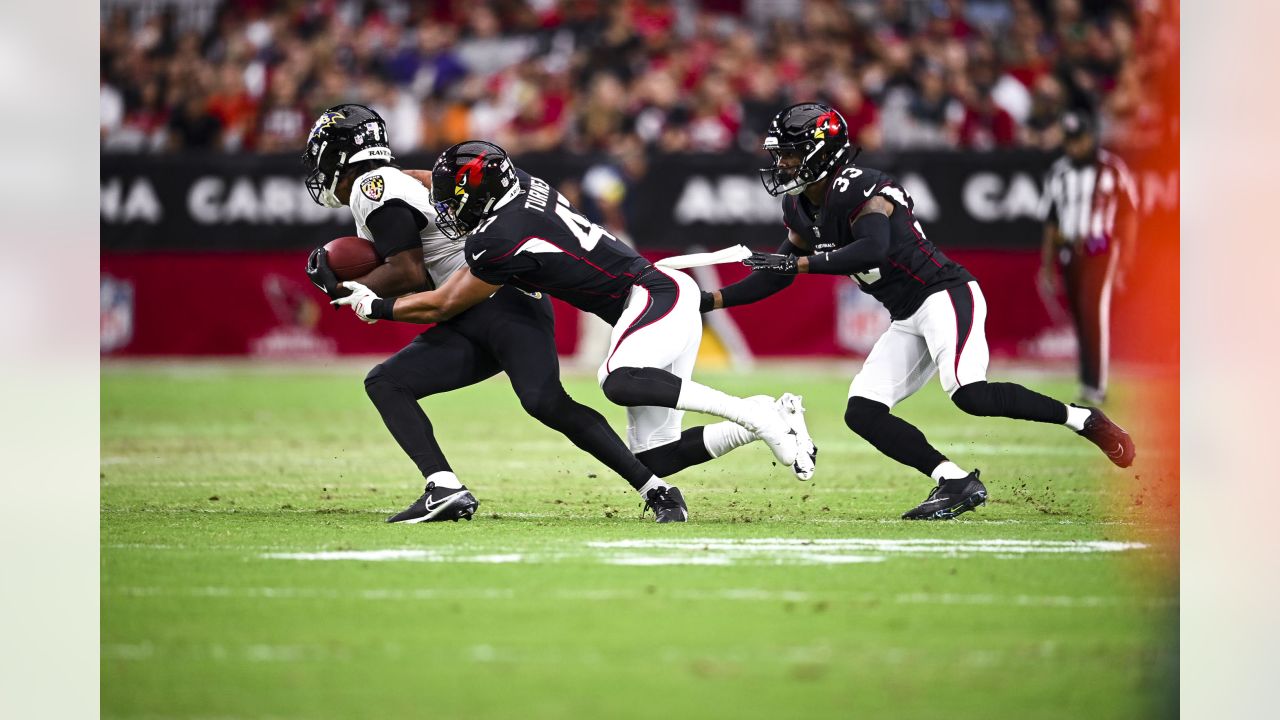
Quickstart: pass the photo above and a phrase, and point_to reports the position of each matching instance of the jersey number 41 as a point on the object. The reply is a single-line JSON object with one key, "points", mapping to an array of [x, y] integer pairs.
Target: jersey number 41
{"points": [[587, 232]]}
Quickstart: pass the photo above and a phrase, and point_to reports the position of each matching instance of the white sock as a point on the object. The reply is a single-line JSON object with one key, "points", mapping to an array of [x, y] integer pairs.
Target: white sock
{"points": [[654, 482], [947, 470], [719, 438], [1076, 417], [445, 479], [700, 398]]}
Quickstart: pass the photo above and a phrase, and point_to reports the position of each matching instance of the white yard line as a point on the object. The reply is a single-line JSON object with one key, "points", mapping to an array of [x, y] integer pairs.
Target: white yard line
{"points": [[610, 595], [685, 551], [921, 545], [728, 551]]}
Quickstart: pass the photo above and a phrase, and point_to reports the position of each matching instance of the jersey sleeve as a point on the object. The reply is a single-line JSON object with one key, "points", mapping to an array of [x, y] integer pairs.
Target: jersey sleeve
{"points": [[386, 188], [496, 260], [395, 229]]}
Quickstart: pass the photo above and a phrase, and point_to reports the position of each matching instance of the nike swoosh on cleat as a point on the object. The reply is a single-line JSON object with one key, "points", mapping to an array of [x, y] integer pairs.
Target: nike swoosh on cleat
{"points": [[1118, 453], [433, 508]]}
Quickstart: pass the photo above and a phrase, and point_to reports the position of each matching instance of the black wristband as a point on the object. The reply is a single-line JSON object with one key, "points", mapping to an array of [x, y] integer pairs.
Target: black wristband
{"points": [[382, 309], [707, 303]]}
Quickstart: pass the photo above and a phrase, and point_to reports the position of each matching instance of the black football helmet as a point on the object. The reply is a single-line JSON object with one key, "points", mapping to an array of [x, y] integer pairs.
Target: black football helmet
{"points": [[344, 135], [469, 182], [817, 133]]}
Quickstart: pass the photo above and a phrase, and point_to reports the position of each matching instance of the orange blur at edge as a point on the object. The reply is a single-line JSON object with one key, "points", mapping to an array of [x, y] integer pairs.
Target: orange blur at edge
{"points": [[1145, 333]]}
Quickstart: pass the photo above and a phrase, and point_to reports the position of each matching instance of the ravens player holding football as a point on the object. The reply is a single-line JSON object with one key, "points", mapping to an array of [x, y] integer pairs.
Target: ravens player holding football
{"points": [[843, 219], [349, 163], [522, 235]]}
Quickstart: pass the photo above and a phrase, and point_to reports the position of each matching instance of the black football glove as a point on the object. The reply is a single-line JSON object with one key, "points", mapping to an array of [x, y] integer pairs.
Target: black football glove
{"points": [[321, 274], [770, 262], [707, 303]]}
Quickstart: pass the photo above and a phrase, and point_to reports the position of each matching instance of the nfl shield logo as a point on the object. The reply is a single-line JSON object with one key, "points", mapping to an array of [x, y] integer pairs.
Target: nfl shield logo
{"points": [[860, 318], [115, 307]]}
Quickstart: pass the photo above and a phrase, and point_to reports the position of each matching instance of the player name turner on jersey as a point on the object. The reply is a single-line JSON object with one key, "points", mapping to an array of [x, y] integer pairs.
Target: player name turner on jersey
{"points": [[545, 245]]}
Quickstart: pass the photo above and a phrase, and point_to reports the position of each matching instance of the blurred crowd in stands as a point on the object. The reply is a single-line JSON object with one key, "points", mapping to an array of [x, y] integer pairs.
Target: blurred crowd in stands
{"points": [[629, 76]]}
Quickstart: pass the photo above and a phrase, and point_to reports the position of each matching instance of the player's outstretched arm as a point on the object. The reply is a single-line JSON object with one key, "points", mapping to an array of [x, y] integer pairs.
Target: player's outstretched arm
{"points": [[461, 291], [869, 248], [756, 286]]}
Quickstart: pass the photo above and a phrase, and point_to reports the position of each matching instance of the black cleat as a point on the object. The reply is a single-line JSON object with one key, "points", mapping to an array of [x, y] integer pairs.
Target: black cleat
{"points": [[951, 498], [1109, 437], [438, 504], [667, 503]]}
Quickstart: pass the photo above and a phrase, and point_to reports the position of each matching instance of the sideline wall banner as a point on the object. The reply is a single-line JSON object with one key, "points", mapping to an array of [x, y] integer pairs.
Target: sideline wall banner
{"points": [[261, 305], [232, 203]]}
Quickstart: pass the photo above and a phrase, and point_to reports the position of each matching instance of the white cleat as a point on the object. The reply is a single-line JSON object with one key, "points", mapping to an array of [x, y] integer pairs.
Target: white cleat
{"points": [[768, 422], [792, 407]]}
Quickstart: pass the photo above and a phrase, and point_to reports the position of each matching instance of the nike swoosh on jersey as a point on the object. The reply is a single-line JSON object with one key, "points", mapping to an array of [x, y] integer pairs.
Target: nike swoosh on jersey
{"points": [[869, 191], [477, 255]]}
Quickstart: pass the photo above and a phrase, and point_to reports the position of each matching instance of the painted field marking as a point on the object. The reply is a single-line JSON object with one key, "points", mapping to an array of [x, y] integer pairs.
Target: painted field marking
{"points": [[909, 545], [728, 551], [144, 650]]}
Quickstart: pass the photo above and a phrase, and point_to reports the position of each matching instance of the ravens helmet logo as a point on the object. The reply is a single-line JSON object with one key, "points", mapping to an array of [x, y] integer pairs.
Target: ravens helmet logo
{"points": [[327, 120]]}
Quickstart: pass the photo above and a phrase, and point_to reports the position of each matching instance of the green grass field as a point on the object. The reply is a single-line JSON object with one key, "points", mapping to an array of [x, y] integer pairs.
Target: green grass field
{"points": [[779, 599]]}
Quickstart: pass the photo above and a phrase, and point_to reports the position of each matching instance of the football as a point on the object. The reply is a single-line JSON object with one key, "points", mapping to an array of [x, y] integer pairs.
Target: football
{"points": [[351, 257]]}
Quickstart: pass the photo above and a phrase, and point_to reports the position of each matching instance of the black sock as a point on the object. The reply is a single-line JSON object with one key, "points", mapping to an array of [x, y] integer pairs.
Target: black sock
{"points": [[675, 456], [1010, 400], [407, 422], [891, 435], [587, 429]]}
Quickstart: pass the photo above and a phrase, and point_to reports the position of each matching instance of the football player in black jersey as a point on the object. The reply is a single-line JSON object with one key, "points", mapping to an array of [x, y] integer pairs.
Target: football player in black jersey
{"points": [[843, 219], [349, 162], [522, 234]]}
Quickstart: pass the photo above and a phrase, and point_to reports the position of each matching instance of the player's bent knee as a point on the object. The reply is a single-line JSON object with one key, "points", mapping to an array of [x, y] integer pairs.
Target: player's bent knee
{"points": [[376, 383], [381, 385], [624, 386], [545, 404], [976, 399], [862, 413], [639, 387]]}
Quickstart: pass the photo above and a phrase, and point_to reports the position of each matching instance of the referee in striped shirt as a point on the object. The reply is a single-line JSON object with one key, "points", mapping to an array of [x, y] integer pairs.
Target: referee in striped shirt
{"points": [[1090, 220]]}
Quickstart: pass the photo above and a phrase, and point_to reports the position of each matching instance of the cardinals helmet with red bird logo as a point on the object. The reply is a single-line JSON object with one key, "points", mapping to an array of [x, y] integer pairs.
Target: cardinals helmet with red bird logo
{"points": [[469, 182], [812, 133]]}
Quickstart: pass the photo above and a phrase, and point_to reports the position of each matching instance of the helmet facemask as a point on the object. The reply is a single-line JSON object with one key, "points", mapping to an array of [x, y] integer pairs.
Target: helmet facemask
{"points": [[789, 179], [322, 181]]}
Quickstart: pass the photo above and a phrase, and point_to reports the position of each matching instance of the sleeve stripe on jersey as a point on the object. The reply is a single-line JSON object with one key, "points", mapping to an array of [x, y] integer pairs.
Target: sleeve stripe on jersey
{"points": [[526, 246]]}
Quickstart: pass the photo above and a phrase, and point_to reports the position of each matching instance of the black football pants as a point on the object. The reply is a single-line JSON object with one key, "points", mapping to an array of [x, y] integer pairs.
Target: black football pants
{"points": [[510, 332], [1087, 278]]}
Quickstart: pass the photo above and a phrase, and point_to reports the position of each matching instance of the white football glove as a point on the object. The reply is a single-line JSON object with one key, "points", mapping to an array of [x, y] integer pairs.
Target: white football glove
{"points": [[360, 300]]}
